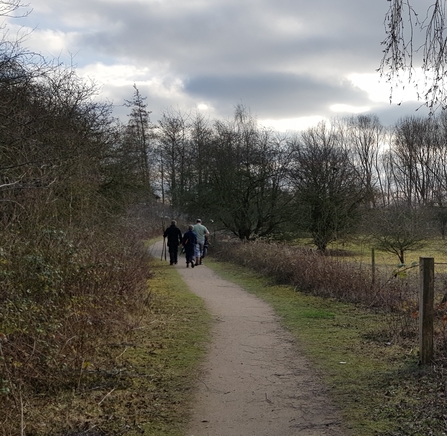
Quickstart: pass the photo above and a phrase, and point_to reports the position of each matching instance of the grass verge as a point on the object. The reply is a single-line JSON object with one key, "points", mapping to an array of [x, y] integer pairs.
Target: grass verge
{"points": [[377, 385], [149, 389]]}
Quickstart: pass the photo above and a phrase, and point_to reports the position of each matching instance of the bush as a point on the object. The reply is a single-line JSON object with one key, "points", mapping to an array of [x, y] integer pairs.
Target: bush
{"points": [[65, 296], [310, 271]]}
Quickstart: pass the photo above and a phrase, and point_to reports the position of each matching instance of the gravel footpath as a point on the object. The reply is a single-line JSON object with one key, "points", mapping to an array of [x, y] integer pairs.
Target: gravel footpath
{"points": [[255, 381]]}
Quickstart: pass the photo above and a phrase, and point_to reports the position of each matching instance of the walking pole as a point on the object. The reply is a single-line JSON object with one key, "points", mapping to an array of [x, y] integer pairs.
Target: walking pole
{"points": [[164, 238], [165, 248]]}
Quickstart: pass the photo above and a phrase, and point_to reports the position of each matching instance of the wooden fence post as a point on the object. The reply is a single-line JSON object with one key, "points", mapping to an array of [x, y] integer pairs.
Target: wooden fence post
{"points": [[426, 308]]}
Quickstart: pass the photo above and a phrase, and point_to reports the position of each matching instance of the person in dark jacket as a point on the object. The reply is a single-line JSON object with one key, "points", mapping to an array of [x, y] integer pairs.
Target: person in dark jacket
{"points": [[174, 236], [189, 243]]}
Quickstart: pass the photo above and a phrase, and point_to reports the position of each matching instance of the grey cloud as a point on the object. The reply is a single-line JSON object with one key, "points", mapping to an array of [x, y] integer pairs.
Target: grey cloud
{"points": [[284, 95], [284, 58], [231, 34], [390, 114]]}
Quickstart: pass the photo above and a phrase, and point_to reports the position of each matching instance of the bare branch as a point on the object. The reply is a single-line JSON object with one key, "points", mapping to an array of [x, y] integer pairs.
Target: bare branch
{"points": [[9, 7], [412, 44]]}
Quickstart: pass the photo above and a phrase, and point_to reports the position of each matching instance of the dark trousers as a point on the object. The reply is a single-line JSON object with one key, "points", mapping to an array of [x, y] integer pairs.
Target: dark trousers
{"points": [[173, 254], [189, 253]]}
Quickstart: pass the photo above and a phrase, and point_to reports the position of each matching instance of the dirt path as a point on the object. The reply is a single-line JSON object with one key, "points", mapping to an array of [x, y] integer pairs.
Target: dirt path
{"points": [[255, 381]]}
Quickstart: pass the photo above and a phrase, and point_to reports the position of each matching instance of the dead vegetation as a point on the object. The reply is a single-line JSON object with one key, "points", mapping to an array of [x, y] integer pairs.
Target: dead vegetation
{"points": [[64, 299], [409, 397], [393, 292], [107, 353]]}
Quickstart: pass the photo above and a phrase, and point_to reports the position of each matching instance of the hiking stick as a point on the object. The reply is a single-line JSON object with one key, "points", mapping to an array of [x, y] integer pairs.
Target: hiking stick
{"points": [[163, 249]]}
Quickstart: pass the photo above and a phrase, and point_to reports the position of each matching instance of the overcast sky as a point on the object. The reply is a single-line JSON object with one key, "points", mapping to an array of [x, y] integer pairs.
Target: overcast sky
{"points": [[292, 62]]}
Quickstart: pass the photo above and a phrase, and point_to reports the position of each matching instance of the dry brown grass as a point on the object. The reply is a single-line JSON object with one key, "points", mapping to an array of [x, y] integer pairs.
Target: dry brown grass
{"points": [[347, 277]]}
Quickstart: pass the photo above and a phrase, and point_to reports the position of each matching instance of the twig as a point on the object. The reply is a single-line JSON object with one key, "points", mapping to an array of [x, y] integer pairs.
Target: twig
{"points": [[106, 396], [117, 357], [22, 419], [80, 374]]}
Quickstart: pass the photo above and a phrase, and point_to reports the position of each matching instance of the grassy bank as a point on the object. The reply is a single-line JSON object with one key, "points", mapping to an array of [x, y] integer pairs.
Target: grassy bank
{"points": [[146, 387], [377, 384], [170, 344]]}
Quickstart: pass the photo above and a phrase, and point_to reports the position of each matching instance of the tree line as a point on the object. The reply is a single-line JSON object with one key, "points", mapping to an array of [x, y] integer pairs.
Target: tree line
{"points": [[65, 154], [349, 175]]}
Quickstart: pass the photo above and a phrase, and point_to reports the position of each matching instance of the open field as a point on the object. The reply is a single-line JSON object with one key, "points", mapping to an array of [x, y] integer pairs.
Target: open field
{"points": [[361, 252]]}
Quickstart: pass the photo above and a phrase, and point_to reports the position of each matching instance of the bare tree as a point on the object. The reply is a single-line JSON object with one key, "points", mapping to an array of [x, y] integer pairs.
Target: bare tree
{"points": [[8, 8], [328, 186], [439, 172], [139, 134], [417, 41], [202, 138], [176, 159], [248, 177], [363, 136], [413, 160], [398, 229]]}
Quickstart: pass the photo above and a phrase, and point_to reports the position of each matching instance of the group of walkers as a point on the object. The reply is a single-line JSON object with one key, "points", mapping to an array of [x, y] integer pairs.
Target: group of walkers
{"points": [[194, 241]]}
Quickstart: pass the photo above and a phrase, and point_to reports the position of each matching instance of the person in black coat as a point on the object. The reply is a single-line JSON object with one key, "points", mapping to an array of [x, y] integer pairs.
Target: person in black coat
{"points": [[174, 236], [189, 243]]}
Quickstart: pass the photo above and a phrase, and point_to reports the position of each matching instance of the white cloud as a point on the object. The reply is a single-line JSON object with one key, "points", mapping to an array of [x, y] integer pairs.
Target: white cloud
{"points": [[379, 90], [156, 83], [51, 43], [119, 75], [349, 108], [292, 124]]}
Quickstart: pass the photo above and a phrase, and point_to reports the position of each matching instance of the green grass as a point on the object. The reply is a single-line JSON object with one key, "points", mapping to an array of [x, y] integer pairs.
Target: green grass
{"points": [[178, 338], [149, 389], [378, 387], [367, 376], [436, 248]]}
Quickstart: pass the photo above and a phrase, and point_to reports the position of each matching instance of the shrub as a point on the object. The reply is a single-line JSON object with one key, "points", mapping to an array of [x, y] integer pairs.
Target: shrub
{"points": [[65, 297], [310, 271]]}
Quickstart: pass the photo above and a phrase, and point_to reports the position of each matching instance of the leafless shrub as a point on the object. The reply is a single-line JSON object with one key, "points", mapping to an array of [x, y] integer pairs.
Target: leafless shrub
{"points": [[73, 265], [308, 270], [311, 272]]}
